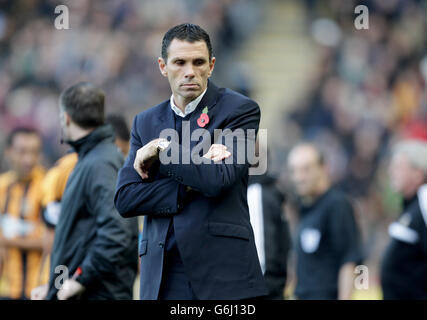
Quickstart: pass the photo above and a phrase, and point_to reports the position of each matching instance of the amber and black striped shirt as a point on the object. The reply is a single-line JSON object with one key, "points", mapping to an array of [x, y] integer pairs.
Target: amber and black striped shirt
{"points": [[20, 213]]}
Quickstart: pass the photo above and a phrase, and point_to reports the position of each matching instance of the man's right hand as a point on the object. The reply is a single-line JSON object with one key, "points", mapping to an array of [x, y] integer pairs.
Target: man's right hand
{"points": [[146, 157], [39, 293]]}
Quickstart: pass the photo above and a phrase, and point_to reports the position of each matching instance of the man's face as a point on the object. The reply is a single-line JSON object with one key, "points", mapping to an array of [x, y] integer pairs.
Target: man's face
{"points": [[187, 69], [305, 171], [404, 178], [24, 153]]}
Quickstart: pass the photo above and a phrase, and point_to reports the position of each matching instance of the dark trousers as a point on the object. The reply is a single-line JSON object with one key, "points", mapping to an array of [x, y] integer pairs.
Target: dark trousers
{"points": [[175, 284]]}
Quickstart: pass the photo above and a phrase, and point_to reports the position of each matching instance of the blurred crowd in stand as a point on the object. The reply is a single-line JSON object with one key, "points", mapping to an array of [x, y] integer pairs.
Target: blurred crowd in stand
{"points": [[368, 92], [111, 43]]}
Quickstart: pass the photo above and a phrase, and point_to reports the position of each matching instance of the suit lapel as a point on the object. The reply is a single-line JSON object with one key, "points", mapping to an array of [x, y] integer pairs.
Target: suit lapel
{"points": [[165, 118]]}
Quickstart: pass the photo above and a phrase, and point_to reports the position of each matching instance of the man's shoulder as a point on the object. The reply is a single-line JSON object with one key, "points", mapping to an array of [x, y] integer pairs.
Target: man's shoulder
{"points": [[337, 199], [68, 160], [228, 95], [104, 153], [233, 104]]}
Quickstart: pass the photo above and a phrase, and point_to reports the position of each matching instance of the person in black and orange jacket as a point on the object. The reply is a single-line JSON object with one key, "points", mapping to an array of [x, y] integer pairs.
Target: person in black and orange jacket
{"points": [[22, 233]]}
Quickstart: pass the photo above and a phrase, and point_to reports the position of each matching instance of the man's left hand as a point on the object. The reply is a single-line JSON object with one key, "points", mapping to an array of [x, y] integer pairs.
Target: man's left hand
{"points": [[217, 152], [69, 289]]}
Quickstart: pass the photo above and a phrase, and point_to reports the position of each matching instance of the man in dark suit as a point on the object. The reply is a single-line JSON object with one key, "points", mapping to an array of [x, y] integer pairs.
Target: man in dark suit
{"points": [[197, 240]]}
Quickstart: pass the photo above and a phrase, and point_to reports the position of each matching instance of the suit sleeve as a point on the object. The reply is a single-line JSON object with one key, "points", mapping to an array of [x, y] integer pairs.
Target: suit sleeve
{"points": [[115, 236], [136, 196], [212, 178]]}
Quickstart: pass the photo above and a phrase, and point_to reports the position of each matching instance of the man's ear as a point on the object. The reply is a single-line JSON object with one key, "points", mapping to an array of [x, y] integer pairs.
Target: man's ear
{"points": [[211, 66], [162, 66]]}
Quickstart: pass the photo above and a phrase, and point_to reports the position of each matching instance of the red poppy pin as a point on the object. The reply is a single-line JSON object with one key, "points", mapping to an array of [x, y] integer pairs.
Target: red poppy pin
{"points": [[204, 118]]}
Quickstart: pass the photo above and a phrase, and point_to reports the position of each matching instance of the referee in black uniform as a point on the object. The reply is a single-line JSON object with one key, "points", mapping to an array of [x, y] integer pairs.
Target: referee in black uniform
{"points": [[404, 266], [327, 245]]}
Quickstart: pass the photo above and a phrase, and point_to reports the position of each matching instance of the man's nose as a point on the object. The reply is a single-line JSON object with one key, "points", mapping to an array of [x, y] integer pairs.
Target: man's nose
{"points": [[189, 72], [29, 160]]}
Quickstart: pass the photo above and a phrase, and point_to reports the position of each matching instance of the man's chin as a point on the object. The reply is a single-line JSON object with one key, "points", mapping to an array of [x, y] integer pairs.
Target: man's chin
{"points": [[24, 173], [302, 193], [191, 94]]}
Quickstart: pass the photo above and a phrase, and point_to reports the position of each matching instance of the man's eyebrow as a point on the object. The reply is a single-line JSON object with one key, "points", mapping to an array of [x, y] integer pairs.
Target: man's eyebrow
{"points": [[188, 58], [176, 59]]}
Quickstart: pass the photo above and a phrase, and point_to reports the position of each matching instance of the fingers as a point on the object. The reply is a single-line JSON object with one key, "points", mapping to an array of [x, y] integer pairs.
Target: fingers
{"points": [[138, 165], [35, 294], [66, 291], [69, 289], [39, 293], [62, 293], [213, 150], [221, 156], [217, 152], [146, 156]]}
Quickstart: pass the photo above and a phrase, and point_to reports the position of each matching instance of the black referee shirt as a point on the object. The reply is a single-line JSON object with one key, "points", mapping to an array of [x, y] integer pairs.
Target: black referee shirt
{"points": [[404, 266], [327, 238]]}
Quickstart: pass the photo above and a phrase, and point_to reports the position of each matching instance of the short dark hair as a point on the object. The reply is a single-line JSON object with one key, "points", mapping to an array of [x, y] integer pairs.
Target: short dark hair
{"points": [[85, 104], [21, 130], [120, 127], [188, 32]]}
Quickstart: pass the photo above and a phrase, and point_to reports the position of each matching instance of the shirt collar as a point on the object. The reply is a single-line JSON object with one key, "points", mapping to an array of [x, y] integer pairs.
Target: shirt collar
{"points": [[189, 108]]}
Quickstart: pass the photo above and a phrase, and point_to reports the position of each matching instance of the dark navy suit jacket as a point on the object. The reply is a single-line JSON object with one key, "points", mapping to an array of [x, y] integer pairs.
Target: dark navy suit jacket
{"points": [[211, 222]]}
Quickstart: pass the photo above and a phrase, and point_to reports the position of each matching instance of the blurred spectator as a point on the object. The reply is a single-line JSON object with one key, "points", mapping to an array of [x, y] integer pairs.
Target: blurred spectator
{"points": [[121, 132], [111, 43], [22, 231], [104, 261], [368, 91], [56, 179], [404, 264], [327, 243]]}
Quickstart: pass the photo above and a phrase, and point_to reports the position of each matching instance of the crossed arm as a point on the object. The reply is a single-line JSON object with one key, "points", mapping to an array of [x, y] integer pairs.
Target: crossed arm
{"points": [[138, 194]]}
